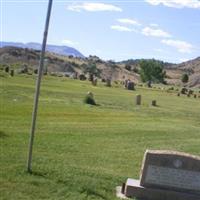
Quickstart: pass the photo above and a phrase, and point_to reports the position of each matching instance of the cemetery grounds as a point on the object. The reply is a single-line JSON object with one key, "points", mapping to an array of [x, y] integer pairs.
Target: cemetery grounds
{"points": [[82, 151]]}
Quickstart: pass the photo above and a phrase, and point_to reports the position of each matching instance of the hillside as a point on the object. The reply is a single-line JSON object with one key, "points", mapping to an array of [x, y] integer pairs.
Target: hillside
{"points": [[117, 71], [192, 68], [17, 57]]}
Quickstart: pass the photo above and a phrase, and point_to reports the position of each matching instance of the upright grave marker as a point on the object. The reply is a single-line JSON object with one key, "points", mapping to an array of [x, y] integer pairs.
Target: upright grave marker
{"points": [[154, 103], [138, 99], [166, 175]]}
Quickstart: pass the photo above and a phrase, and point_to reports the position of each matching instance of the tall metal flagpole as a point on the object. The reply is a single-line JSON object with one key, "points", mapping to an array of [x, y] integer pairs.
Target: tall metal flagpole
{"points": [[37, 92]]}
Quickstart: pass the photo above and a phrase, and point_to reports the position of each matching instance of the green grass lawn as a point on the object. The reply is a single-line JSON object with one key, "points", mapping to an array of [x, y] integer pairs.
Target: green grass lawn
{"points": [[83, 151]]}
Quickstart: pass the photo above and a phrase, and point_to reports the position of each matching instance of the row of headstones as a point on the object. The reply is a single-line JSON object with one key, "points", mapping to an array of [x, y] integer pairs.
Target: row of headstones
{"points": [[189, 95], [128, 84], [94, 80], [188, 92], [138, 100], [82, 77], [23, 70]]}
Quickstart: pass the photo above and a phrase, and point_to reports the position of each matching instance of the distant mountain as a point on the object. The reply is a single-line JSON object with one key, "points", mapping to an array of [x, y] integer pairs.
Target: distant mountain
{"points": [[62, 50]]}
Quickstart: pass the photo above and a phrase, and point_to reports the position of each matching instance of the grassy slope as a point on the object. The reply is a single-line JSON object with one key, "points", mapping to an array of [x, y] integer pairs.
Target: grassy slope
{"points": [[80, 151]]}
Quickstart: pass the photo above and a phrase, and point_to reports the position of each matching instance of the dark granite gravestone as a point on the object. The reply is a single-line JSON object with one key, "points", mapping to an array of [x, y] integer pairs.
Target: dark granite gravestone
{"points": [[154, 103], [165, 175], [130, 85], [12, 72]]}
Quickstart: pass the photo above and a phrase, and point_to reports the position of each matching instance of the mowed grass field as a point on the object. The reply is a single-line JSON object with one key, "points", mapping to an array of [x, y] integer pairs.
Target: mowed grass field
{"points": [[82, 151]]}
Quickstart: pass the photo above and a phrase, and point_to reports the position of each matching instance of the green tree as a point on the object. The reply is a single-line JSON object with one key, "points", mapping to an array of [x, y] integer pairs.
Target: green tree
{"points": [[152, 71], [92, 70], [185, 78]]}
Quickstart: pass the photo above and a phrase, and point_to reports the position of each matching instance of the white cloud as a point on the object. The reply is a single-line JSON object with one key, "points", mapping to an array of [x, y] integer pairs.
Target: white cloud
{"points": [[121, 28], [154, 25], [129, 21], [176, 3], [93, 7], [69, 42], [181, 46], [155, 32]]}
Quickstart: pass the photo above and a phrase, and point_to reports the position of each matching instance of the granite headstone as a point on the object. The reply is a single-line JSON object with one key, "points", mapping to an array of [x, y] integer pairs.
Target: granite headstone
{"points": [[165, 175]]}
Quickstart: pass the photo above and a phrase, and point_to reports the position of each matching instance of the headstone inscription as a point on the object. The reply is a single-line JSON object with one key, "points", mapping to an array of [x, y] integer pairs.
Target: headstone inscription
{"points": [[166, 175]]}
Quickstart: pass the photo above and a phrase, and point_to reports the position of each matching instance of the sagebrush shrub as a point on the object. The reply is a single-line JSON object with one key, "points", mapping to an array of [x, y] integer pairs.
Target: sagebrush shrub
{"points": [[89, 100]]}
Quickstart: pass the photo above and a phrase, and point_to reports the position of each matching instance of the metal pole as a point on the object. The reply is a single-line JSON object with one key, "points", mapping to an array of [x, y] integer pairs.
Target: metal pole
{"points": [[37, 92]]}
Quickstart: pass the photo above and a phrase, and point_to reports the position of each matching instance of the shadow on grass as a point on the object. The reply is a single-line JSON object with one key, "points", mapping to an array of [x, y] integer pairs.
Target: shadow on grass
{"points": [[38, 174], [95, 105], [2, 134]]}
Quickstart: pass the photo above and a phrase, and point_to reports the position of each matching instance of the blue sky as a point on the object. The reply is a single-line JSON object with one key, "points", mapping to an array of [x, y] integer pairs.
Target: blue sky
{"points": [[163, 29]]}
